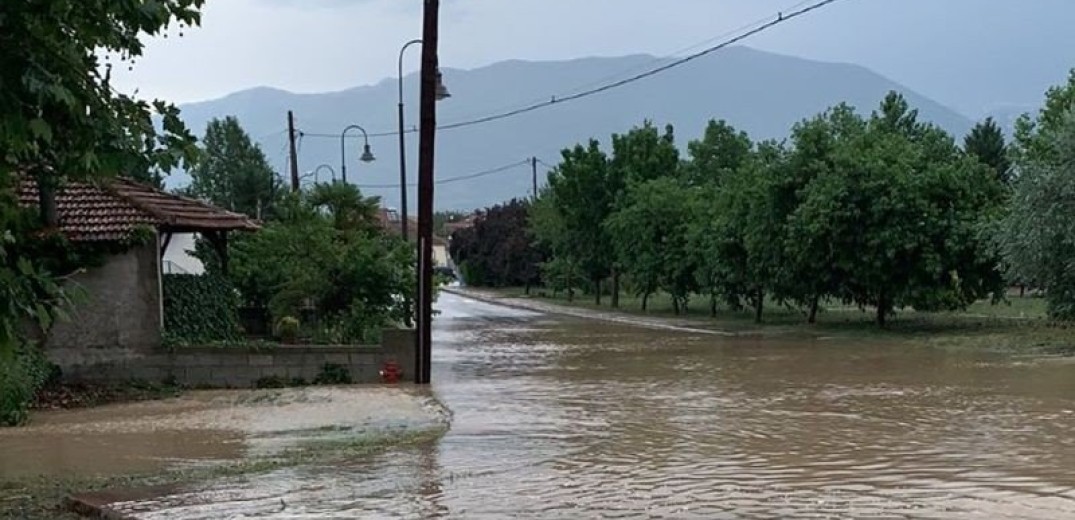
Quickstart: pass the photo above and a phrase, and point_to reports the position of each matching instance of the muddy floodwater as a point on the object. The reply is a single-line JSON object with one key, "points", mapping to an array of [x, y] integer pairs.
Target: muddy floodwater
{"points": [[565, 418]]}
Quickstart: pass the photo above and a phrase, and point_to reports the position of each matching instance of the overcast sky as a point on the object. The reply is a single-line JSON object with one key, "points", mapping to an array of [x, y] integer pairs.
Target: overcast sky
{"points": [[974, 55]]}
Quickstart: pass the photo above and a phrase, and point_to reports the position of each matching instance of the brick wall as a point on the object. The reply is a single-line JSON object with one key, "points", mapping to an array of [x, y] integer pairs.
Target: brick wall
{"points": [[241, 368]]}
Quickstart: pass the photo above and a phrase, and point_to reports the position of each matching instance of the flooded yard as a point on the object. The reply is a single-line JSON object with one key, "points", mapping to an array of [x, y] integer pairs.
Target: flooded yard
{"points": [[565, 418]]}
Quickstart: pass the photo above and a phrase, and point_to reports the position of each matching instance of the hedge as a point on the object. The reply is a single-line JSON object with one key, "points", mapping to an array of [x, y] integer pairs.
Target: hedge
{"points": [[200, 309]]}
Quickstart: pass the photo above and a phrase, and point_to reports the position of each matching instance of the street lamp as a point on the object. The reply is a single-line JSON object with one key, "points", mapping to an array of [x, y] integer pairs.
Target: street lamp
{"points": [[367, 155], [442, 94], [317, 171]]}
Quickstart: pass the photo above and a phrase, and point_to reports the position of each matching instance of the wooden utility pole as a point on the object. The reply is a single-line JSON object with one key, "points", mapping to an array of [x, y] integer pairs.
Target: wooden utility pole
{"points": [[427, 133], [294, 154], [533, 167]]}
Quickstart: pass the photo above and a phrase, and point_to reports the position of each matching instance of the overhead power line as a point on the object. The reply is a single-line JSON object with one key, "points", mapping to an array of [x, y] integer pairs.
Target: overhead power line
{"points": [[449, 180], [781, 18]]}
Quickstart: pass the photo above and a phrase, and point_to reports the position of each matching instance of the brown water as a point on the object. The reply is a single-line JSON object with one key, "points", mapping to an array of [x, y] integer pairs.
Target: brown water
{"points": [[204, 428], [564, 418]]}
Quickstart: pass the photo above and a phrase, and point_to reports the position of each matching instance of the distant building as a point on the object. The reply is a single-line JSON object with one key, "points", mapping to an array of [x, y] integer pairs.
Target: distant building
{"points": [[390, 221]]}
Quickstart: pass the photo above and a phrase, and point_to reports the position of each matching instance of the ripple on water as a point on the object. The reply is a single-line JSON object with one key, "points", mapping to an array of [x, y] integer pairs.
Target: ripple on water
{"points": [[571, 419]]}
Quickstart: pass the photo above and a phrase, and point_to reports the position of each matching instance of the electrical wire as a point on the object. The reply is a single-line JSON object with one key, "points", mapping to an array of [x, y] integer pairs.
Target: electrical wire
{"points": [[781, 18], [449, 180]]}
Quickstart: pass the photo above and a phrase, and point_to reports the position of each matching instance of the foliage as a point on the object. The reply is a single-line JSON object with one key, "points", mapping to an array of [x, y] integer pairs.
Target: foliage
{"points": [[1037, 236], [883, 212], [60, 119], [200, 309], [233, 172], [986, 143], [287, 328], [325, 253], [650, 236], [497, 251], [584, 190], [719, 153], [22, 372], [899, 212], [333, 374]]}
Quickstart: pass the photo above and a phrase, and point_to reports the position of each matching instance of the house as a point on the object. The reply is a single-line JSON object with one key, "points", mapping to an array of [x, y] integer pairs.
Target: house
{"points": [[390, 221], [117, 313]]}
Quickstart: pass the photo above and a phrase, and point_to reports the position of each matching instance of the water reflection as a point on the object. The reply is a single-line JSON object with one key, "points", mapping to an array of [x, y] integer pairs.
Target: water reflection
{"points": [[558, 418]]}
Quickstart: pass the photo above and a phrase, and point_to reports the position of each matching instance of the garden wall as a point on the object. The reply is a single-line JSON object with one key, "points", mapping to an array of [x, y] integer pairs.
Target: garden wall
{"points": [[242, 367]]}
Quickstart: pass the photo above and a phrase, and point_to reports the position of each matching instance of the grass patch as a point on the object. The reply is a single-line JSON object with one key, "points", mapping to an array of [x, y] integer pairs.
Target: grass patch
{"points": [[1017, 325], [42, 498]]}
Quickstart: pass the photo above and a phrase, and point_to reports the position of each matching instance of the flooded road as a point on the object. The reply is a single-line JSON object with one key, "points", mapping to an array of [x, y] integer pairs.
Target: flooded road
{"points": [[565, 418]]}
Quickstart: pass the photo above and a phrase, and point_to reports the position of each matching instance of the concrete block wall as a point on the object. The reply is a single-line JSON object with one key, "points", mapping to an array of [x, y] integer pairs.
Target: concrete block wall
{"points": [[242, 368]]}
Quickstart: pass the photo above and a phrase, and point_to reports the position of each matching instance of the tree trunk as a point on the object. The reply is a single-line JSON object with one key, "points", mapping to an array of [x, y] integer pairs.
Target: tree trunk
{"points": [[527, 290], [759, 305], [597, 291], [615, 290], [812, 319], [882, 310], [1022, 290], [713, 305], [46, 190], [675, 306], [645, 301]]}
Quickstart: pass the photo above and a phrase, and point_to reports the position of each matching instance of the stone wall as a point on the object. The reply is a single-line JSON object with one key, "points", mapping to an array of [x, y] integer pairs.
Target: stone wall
{"points": [[242, 368], [116, 314]]}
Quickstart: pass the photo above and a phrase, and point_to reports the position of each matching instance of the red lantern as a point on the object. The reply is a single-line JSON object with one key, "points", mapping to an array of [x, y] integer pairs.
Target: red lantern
{"points": [[391, 372]]}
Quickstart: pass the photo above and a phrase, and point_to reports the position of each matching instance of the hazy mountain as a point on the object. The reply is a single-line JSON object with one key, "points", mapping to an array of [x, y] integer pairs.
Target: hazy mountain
{"points": [[759, 92]]}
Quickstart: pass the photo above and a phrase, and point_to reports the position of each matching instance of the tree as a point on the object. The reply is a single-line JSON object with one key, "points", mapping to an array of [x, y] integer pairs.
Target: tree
{"points": [[900, 212], [985, 142], [1037, 236], [720, 152], [498, 251], [61, 119], [357, 277], [233, 172], [649, 232], [640, 155], [585, 190]]}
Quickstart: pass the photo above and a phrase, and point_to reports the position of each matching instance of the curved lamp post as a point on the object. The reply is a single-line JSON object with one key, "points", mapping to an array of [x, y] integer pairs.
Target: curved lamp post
{"points": [[317, 172], [442, 94], [367, 155]]}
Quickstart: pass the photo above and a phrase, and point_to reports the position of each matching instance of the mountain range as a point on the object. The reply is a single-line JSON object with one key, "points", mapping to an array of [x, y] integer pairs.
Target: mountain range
{"points": [[759, 92]]}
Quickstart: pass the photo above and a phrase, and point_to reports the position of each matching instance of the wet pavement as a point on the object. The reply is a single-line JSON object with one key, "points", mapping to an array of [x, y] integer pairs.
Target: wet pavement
{"points": [[560, 417]]}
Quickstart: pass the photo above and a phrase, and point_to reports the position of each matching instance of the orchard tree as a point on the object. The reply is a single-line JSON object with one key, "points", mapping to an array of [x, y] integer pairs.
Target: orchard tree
{"points": [[985, 142], [233, 172], [650, 236], [1037, 236], [585, 190], [900, 212], [641, 155], [719, 153], [808, 255]]}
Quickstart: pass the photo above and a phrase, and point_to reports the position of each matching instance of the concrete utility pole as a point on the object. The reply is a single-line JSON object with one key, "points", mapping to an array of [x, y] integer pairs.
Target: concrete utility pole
{"points": [[427, 132], [294, 154]]}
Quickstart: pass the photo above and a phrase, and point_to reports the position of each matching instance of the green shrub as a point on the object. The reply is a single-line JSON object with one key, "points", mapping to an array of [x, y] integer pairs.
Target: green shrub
{"points": [[22, 373], [333, 374], [200, 309], [288, 329]]}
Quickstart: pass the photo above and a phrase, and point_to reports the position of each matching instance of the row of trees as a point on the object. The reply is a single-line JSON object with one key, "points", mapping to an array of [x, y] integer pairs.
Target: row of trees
{"points": [[882, 211]]}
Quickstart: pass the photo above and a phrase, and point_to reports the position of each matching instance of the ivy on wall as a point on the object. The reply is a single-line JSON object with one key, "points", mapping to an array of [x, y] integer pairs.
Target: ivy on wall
{"points": [[200, 309]]}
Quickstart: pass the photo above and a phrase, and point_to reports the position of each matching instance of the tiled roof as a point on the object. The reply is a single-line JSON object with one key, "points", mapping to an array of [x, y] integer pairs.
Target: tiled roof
{"points": [[111, 210]]}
